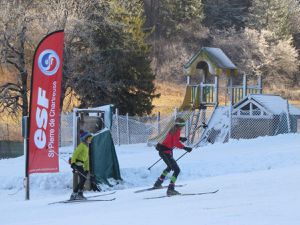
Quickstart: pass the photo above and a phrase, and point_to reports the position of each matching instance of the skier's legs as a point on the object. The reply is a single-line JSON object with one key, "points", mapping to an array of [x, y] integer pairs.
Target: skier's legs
{"points": [[172, 165], [82, 178], [161, 178], [176, 170]]}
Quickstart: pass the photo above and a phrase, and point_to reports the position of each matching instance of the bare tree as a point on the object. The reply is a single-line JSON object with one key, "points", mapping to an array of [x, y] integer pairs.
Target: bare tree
{"points": [[261, 53], [22, 25], [16, 49]]}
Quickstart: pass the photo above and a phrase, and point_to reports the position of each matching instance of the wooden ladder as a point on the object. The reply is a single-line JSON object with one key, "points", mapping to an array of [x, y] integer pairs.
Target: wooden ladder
{"points": [[194, 125]]}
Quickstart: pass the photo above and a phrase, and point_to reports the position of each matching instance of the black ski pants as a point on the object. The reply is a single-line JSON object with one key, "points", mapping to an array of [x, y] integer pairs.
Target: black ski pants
{"points": [[82, 178], [171, 163]]}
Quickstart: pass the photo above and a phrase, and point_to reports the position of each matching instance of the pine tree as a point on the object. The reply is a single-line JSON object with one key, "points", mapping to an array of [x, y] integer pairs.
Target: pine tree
{"points": [[278, 16], [175, 15], [226, 13], [117, 67]]}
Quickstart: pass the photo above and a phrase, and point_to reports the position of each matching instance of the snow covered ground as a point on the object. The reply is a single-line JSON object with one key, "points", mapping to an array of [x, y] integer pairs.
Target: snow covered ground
{"points": [[258, 182]]}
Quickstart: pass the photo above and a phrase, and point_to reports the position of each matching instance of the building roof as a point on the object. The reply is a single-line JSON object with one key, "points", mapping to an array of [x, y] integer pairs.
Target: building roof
{"points": [[273, 103], [218, 62]]}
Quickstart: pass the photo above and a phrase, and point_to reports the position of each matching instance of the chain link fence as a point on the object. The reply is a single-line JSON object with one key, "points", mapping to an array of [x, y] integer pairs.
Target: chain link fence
{"points": [[248, 128], [248, 124], [66, 129], [10, 132], [222, 125]]}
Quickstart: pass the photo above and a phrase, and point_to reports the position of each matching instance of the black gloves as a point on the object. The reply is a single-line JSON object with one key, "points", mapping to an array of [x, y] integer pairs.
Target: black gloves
{"points": [[183, 139], [188, 149], [73, 166]]}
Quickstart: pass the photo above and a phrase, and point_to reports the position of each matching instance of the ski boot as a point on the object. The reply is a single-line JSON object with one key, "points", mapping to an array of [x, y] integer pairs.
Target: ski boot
{"points": [[171, 192], [158, 184], [80, 196], [73, 196]]}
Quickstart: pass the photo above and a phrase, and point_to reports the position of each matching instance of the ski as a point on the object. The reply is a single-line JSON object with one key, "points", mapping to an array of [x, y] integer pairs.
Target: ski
{"points": [[153, 188], [83, 200], [185, 194], [105, 194]]}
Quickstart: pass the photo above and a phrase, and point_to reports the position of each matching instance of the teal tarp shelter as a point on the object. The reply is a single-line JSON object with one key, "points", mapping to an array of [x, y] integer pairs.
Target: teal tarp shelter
{"points": [[103, 158]]}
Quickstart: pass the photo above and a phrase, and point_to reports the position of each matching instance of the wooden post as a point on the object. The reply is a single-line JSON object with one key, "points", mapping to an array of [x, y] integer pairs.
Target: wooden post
{"points": [[201, 92], [216, 100], [231, 91]]}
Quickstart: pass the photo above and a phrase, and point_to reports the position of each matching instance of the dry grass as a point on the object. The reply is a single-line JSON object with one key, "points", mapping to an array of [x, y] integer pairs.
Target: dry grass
{"points": [[171, 96]]}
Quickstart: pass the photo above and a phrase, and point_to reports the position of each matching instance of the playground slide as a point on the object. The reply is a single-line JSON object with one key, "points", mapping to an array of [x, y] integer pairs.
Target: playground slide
{"points": [[218, 127]]}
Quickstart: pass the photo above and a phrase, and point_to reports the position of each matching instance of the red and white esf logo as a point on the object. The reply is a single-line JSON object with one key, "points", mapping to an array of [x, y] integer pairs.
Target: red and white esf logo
{"points": [[48, 62]]}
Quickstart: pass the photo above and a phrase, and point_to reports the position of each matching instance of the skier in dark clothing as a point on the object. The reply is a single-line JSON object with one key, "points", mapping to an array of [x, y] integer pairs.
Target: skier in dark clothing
{"points": [[165, 149]]}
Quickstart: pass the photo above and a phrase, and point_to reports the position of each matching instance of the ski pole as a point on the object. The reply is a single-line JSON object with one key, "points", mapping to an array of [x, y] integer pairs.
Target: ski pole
{"points": [[181, 156], [77, 171], [160, 159], [154, 164]]}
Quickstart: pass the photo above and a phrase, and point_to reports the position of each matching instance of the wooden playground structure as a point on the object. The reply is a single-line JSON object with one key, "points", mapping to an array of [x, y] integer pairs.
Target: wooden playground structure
{"points": [[208, 65]]}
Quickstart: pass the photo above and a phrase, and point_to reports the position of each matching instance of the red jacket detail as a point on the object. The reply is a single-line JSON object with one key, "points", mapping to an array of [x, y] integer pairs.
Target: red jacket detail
{"points": [[172, 140]]}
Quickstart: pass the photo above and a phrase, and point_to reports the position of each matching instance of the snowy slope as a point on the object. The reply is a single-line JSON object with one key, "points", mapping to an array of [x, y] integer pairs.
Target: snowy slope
{"points": [[258, 179]]}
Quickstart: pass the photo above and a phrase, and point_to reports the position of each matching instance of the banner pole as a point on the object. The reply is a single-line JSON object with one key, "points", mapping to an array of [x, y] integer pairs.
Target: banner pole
{"points": [[26, 153]]}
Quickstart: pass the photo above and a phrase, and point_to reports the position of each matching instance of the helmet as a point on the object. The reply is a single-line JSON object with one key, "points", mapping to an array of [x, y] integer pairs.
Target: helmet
{"points": [[180, 122]]}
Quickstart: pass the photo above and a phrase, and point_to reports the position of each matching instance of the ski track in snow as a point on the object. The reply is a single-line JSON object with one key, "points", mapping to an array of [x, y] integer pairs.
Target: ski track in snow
{"points": [[258, 179]]}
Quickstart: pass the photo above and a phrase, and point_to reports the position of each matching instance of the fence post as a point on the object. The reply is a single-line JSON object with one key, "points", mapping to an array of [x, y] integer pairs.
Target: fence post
{"points": [[7, 132], [259, 84], [288, 116], [158, 122], [244, 85], [230, 120], [75, 123], [118, 128], [127, 128], [175, 112]]}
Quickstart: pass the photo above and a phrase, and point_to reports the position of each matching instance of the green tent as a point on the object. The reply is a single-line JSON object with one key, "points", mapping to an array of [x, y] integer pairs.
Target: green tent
{"points": [[103, 158]]}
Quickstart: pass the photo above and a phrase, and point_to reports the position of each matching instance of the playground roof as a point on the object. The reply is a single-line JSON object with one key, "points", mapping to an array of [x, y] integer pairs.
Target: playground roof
{"points": [[218, 62], [273, 103]]}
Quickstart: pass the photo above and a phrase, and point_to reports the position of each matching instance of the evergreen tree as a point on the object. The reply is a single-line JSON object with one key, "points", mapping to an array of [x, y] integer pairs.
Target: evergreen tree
{"points": [[174, 15], [117, 67], [279, 16], [226, 13]]}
